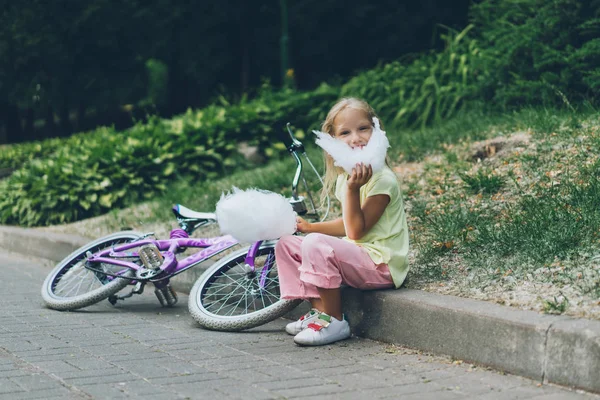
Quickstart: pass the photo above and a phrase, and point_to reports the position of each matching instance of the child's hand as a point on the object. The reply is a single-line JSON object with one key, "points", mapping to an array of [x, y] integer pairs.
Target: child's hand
{"points": [[302, 225], [359, 176]]}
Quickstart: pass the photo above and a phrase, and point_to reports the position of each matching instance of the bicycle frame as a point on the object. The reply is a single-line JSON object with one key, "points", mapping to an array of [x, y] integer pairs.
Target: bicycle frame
{"points": [[211, 246], [168, 247]]}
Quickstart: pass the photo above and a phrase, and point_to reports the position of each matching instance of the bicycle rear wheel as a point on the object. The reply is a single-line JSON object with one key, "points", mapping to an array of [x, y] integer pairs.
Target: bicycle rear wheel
{"points": [[229, 297], [70, 285]]}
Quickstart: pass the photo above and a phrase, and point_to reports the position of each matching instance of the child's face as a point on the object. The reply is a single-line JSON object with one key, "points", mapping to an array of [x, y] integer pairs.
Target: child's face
{"points": [[353, 127]]}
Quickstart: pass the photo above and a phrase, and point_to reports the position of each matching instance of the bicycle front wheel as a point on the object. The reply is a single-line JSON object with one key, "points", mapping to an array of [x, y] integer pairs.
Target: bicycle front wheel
{"points": [[230, 297], [70, 285]]}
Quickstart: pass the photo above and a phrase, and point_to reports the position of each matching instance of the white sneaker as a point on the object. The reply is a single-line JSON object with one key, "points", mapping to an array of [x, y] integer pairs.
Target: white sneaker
{"points": [[324, 330], [294, 328]]}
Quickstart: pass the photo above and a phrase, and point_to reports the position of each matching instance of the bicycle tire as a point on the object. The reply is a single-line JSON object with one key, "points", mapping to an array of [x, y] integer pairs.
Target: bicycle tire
{"points": [[203, 297], [73, 268]]}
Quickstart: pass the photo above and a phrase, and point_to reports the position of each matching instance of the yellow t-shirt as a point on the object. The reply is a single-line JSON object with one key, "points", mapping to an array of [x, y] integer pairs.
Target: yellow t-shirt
{"points": [[387, 241]]}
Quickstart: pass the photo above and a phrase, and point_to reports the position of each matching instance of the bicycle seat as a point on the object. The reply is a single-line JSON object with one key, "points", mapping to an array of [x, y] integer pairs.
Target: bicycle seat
{"points": [[185, 213]]}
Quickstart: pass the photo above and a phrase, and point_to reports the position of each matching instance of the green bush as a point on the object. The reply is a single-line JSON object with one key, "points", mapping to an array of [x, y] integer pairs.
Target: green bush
{"points": [[540, 52], [515, 53], [430, 88], [14, 156], [90, 174]]}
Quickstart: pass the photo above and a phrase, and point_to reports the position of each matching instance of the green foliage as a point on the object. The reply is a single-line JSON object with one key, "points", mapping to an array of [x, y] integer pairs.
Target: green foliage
{"points": [[515, 53], [539, 51], [272, 109], [556, 305], [543, 221], [90, 174], [49, 56], [158, 80], [483, 181], [14, 156], [555, 221], [93, 56], [430, 88]]}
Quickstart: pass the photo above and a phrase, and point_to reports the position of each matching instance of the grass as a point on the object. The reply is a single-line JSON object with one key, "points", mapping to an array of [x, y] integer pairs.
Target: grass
{"points": [[477, 123], [557, 305], [483, 181], [526, 215]]}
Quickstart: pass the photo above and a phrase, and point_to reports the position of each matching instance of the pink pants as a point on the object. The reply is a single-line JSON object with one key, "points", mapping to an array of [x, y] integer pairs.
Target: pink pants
{"points": [[318, 260]]}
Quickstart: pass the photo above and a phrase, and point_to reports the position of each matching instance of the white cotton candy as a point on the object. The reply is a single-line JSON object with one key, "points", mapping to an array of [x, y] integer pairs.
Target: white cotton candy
{"points": [[346, 157], [252, 215]]}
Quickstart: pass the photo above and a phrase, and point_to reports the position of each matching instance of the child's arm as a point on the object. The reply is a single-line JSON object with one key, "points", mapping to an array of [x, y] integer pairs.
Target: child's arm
{"points": [[359, 220], [333, 228]]}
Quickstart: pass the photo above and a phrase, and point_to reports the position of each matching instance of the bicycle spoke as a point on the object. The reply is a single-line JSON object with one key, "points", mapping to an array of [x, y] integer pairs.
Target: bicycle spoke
{"points": [[74, 280], [269, 293], [262, 298], [77, 279], [225, 301], [244, 296], [71, 280], [231, 295], [79, 286], [236, 306], [227, 290], [234, 292], [91, 285]]}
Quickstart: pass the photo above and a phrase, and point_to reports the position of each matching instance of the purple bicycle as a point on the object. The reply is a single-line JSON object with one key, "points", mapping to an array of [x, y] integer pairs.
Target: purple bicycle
{"points": [[238, 292]]}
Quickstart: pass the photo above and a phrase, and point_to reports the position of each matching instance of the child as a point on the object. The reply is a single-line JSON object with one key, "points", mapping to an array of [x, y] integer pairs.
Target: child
{"points": [[373, 251]]}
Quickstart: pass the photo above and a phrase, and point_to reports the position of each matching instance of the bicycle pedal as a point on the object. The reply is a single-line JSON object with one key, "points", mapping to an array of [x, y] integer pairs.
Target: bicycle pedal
{"points": [[166, 296], [151, 257], [112, 299]]}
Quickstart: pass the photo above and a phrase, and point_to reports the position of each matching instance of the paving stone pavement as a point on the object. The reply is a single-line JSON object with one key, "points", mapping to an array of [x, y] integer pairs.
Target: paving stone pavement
{"points": [[140, 350]]}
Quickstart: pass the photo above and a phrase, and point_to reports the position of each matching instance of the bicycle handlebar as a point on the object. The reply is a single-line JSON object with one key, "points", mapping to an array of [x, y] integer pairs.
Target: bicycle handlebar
{"points": [[295, 148], [295, 141]]}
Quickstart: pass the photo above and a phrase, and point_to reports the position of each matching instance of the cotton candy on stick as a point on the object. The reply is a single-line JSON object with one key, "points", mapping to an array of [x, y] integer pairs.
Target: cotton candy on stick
{"points": [[251, 215], [346, 157]]}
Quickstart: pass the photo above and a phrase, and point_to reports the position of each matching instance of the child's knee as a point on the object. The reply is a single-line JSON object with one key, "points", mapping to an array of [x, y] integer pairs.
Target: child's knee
{"points": [[312, 241], [316, 247]]}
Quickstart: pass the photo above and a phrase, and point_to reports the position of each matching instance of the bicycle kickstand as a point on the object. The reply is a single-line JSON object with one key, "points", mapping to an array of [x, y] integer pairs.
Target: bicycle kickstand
{"points": [[137, 289]]}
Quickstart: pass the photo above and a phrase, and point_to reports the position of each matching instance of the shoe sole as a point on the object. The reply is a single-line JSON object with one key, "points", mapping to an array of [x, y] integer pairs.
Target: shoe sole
{"points": [[333, 340]]}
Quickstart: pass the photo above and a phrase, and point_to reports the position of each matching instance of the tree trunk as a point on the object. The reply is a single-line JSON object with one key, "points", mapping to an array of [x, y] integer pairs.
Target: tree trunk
{"points": [[65, 123], [50, 127], [245, 41], [9, 113], [177, 89], [29, 131], [80, 123]]}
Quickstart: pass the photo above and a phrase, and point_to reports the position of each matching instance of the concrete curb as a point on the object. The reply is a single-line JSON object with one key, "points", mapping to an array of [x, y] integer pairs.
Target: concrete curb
{"points": [[550, 349], [546, 348], [37, 243]]}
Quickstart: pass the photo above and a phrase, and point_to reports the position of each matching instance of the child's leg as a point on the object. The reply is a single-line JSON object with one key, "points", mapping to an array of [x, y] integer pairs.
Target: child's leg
{"points": [[327, 262], [289, 258], [331, 302]]}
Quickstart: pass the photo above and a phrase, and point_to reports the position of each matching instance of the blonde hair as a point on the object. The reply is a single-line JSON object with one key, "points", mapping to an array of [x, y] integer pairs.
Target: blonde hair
{"points": [[331, 171]]}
